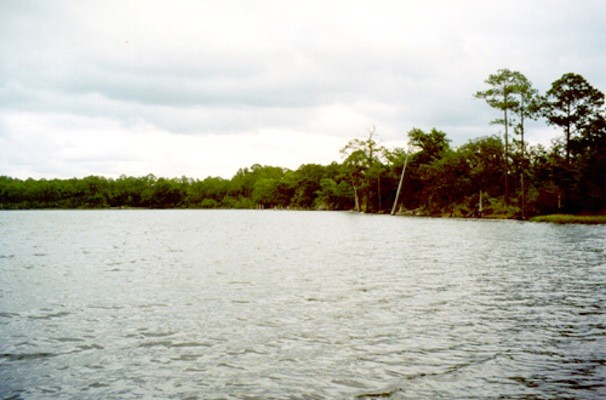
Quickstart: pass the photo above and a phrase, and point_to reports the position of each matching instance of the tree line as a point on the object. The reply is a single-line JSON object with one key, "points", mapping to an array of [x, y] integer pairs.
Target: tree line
{"points": [[499, 176]]}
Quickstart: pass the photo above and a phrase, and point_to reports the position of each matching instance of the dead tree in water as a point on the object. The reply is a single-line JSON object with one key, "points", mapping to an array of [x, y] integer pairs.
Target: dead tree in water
{"points": [[395, 203]]}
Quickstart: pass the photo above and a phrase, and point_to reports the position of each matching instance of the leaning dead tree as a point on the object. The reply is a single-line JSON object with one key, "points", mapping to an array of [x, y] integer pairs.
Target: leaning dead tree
{"points": [[400, 184]]}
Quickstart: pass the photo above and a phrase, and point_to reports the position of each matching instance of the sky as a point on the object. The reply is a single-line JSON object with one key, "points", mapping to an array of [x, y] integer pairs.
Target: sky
{"points": [[204, 88]]}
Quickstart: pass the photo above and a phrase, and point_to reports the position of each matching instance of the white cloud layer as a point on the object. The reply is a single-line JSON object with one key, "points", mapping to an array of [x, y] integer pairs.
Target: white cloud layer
{"points": [[204, 87]]}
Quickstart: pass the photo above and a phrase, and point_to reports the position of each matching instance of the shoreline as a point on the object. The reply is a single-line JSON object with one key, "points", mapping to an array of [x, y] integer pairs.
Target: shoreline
{"points": [[559, 219], [564, 219]]}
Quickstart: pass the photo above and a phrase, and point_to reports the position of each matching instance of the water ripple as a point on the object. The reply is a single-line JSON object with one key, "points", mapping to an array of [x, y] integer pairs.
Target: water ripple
{"points": [[235, 305]]}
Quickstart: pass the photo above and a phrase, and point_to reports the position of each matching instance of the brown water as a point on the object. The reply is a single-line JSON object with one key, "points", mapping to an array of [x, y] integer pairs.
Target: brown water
{"points": [[298, 305]]}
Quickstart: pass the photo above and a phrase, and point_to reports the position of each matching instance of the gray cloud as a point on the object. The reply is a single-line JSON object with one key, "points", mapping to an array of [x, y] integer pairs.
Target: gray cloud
{"points": [[238, 68]]}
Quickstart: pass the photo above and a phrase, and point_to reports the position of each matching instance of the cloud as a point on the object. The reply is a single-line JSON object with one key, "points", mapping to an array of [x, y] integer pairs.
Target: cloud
{"points": [[158, 75], [81, 146]]}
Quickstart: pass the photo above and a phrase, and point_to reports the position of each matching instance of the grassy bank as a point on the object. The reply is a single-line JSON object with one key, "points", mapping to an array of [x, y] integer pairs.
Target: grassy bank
{"points": [[571, 219]]}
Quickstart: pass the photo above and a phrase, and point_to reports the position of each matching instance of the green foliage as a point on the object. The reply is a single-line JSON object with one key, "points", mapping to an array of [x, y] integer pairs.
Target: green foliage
{"points": [[440, 180], [432, 145], [511, 91], [574, 105], [363, 161], [501, 90]]}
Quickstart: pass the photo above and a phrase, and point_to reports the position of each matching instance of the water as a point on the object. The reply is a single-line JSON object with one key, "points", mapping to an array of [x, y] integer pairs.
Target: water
{"points": [[298, 305]]}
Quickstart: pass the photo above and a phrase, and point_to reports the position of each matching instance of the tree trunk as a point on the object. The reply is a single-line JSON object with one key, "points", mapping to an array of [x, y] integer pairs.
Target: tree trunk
{"points": [[395, 203], [506, 157], [379, 193], [523, 160], [356, 199]]}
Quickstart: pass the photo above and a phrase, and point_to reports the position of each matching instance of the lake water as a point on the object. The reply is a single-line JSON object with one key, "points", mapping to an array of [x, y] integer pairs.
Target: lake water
{"points": [[298, 305]]}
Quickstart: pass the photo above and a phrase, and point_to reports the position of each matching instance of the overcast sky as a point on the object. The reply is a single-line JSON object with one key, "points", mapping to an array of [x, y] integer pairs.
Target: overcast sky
{"points": [[203, 88]]}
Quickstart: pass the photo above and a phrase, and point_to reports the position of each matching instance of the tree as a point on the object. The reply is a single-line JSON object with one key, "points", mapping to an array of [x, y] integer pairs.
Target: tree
{"points": [[264, 192], [360, 158], [336, 191], [167, 193], [11, 192], [501, 97], [207, 193], [306, 181], [242, 185], [527, 106], [483, 157], [354, 164], [574, 105], [594, 166], [432, 145]]}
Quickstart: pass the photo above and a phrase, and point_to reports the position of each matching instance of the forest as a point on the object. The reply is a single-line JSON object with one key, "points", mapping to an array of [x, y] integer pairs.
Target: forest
{"points": [[491, 176]]}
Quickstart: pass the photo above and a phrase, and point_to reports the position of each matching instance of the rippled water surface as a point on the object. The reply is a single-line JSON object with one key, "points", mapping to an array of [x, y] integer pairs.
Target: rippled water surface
{"points": [[298, 305]]}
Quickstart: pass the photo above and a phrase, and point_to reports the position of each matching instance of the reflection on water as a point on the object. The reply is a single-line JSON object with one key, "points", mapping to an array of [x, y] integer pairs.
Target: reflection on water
{"points": [[264, 304]]}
